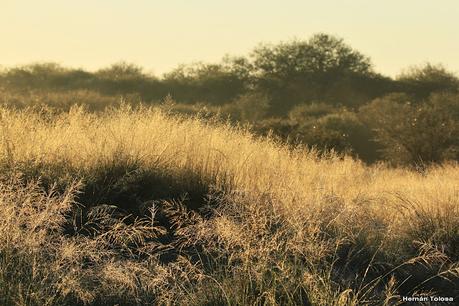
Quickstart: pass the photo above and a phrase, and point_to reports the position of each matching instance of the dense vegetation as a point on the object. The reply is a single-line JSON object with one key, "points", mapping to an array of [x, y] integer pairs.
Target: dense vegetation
{"points": [[269, 179], [318, 92], [142, 207]]}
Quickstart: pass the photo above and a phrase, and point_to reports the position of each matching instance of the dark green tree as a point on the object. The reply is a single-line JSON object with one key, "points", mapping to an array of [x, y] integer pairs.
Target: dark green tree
{"points": [[212, 83], [420, 82], [125, 78], [322, 68]]}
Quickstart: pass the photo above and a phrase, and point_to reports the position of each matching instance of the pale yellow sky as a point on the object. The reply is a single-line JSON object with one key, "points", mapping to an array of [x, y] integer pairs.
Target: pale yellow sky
{"points": [[159, 35]]}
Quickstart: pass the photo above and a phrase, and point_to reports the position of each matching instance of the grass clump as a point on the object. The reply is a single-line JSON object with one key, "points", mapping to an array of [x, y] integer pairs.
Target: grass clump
{"points": [[139, 206]]}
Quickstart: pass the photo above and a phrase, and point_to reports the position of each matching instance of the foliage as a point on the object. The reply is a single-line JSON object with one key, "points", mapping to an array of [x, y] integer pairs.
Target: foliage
{"points": [[250, 107], [317, 92], [309, 70], [341, 131], [232, 183], [321, 68], [410, 132], [302, 112], [420, 82], [213, 83]]}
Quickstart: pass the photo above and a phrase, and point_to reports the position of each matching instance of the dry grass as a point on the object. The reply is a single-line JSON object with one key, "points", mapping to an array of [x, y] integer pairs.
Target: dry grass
{"points": [[92, 100], [144, 207]]}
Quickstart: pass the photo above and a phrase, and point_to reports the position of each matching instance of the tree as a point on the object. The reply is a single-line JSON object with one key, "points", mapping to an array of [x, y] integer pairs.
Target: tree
{"points": [[413, 133], [121, 71], [420, 82], [213, 83], [126, 79], [45, 77], [322, 53], [300, 71]]}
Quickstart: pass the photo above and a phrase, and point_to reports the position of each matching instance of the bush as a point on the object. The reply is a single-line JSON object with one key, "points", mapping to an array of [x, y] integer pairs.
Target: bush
{"points": [[420, 82], [248, 107], [302, 112], [415, 133], [341, 131], [324, 127]]}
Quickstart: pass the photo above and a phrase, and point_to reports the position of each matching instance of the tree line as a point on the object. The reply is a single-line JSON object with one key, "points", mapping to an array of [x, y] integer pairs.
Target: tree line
{"points": [[320, 92]]}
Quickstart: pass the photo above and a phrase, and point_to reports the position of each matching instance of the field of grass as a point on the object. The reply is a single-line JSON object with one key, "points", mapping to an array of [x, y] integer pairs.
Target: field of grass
{"points": [[141, 207]]}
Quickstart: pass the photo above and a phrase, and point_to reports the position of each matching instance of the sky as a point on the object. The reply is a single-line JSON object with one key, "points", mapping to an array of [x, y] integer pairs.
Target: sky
{"points": [[160, 35]]}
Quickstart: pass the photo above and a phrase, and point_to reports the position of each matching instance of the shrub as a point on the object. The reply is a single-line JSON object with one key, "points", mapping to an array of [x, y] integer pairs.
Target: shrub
{"points": [[248, 107], [415, 133], [421, 82], [305, 111]]}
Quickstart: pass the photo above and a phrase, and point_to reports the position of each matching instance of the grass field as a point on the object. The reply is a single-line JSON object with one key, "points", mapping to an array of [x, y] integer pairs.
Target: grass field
{"points": [[138, 206]]}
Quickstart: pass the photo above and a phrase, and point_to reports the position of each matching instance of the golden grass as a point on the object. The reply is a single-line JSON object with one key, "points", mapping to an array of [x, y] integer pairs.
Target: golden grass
{"points": [[287, 226]]}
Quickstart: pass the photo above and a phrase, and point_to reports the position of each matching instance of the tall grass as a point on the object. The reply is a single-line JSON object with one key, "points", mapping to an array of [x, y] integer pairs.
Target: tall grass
{"points": [[92, 100], [147, 207]]}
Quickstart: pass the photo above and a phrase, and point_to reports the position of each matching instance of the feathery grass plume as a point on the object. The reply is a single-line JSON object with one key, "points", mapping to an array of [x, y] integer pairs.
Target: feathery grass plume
{"points": [[136, 206]]}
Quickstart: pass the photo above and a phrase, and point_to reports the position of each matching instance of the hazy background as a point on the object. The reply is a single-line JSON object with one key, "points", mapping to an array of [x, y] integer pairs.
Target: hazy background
{"points": [[159, 35]]}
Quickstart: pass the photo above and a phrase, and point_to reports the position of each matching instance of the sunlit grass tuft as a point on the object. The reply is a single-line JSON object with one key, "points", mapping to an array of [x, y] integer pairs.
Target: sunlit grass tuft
{"points": [[140, 206]]}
